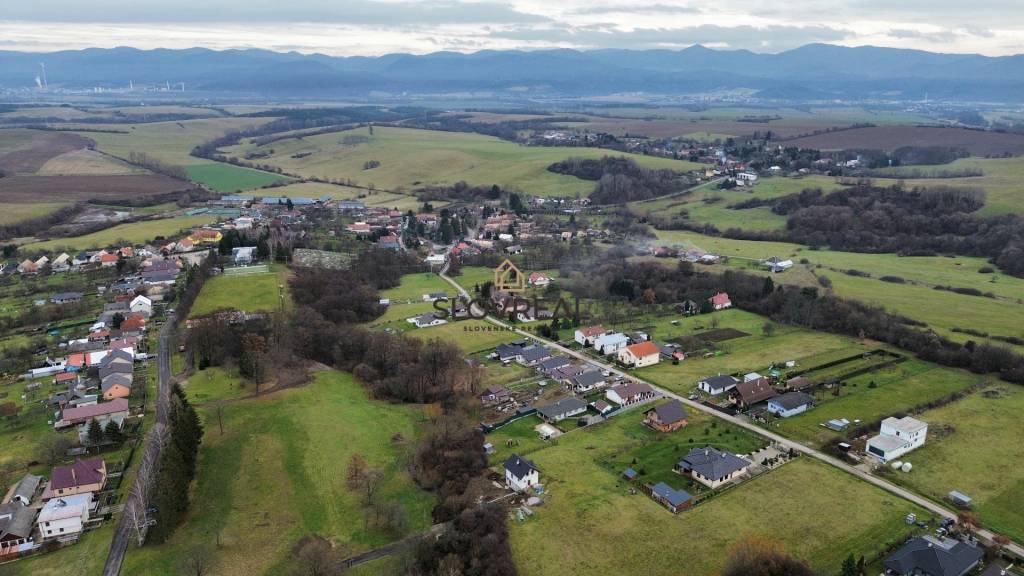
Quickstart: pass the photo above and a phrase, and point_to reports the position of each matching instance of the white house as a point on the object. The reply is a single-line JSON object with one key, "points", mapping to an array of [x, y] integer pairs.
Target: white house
{"points": [[790, 404], [585, 336], [746, 177], [629, 394], [141, 305], [640, 355], [435, 259], [243, 255], [897, 437], [520, 473], [64, 517], [716, 385], [610, 343], [426, 320]]}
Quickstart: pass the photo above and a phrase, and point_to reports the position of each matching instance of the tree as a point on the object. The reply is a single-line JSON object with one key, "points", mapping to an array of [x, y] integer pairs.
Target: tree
{"points": [[95, 433], [356, 468], [53, 448], [252, 362], [758, 556], [849, 567], [768, 329], [218, 409], [112, 433], [117, 320], [315, 556], [197, 562]]}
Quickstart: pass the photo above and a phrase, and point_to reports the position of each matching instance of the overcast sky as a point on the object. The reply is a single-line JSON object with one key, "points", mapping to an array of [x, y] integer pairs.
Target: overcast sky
{"points": [[373, 27]]}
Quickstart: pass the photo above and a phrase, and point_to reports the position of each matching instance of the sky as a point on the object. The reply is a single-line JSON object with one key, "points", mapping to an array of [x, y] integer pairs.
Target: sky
{"points": [[374, 27]]}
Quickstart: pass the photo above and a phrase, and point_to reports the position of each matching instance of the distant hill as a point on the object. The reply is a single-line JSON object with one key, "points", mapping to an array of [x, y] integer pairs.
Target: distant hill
{"points": [[812, 72]]}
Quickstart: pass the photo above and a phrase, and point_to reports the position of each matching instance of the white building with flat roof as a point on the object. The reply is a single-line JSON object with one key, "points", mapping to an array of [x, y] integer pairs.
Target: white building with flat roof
{"points": [[64, 517], [897, 437]]}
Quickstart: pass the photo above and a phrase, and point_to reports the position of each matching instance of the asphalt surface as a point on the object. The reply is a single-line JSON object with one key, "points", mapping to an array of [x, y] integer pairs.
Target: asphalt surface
{"points": [[125, 531], [786, 443]]}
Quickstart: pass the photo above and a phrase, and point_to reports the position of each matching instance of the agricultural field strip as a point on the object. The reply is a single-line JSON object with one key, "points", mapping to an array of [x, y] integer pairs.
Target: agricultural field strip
{"points": [[926, 503]]}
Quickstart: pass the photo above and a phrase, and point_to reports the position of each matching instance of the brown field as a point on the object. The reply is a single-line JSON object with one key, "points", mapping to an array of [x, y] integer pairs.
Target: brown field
{"points": [[976, 142], [26, 151], [85, 162], [658, 128], [495, 117], [27, 189]]}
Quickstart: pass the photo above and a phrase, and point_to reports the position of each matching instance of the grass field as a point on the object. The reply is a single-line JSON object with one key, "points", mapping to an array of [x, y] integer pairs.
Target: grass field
{"points": [[252, 293], [14, 213], [590, 524], [87, 557], [414, 286], [171, 142], [86, 162], [897, 389], [411, 158], [277, 473], [469, 335], [229, 178], [952, 460], [134, 233], [378, 198], [942, 310]]}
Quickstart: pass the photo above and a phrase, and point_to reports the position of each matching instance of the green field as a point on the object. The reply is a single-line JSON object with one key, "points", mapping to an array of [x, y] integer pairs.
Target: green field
{"points": [[942, 310], [134, 233], [229, 178], [469, 335], [14, 213], [412, 158], [973, 446], [250, 292], [897, 389], [590, 524], [277, 473], [87, 557], [1001, 181], [376, 198], [414, 286]]}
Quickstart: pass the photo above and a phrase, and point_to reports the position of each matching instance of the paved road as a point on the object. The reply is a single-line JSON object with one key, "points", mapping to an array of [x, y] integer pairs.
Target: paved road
{"points": [[930, 505], [125, 531]]}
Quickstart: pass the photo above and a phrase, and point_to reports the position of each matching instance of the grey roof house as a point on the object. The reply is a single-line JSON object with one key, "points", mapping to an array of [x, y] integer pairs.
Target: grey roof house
{"points": [[564, 408], [930, 556], [712, 467]]}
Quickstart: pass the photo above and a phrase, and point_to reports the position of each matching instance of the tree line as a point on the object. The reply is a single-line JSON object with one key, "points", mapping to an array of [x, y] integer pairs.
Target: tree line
{"points": [[620, 179]]}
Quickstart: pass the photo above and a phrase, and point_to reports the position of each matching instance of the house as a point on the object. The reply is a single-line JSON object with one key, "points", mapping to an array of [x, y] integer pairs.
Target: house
{"points": [[897, 437], [640, 355], [113, 411], [205, 236], [116, 385], [552, 364], [435, 296], [776, 264], [932, 556], [65, 517], [799, 383], [667, 417], [135, 323], [16, 522], [532, 355], [66, 297], [716, 385], [28, 267], [520, 473], [426, 320], [790, 404], [435, 259], [587, 381], [564, 408], [610, 343], [495, 394], [80, 258], [747, 178], [506, 352], [61, 263], [601, 406], [712, 467], [671, 352], [539, 279], [586, 336], [108, 260], [82, 476], [25, 491], [674, 500], [720, 301], [243, 255], [629, 394], [753, 392], [141, 305], [359, 228]]}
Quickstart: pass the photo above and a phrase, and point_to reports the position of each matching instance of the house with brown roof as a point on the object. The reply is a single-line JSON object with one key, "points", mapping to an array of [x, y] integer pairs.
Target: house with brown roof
{"points": [[799, 383], [495, 394], [82, 476], [631, 393], [113, 411], [640, 355], [586, 336], [752, 392], [720, 301], [667, 417]]}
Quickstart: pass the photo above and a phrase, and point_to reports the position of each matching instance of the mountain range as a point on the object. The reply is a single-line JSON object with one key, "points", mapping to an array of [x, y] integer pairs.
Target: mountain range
{"points": [[812, 72]]}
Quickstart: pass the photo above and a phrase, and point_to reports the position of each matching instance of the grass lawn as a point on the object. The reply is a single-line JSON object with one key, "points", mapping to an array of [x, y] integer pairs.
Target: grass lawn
{"points": [[414, 286], [588, 513], [277, 473], [377, 198], [469, 335], [134, 233], [412, 158], [252, 292], [897, 388], [952, 460], [230, 178], [1000, 181], [14, 213], [472, 276], [216, 383], [87, 556]]}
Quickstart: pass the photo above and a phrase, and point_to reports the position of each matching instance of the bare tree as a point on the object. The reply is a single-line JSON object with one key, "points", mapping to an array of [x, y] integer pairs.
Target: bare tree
{"points": [[218, 409], [197, 562]]}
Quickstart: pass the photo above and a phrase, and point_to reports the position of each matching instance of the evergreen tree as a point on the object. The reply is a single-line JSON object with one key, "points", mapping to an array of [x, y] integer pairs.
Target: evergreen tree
{"points": [[849, 566], [112, 432], [95, 433]]}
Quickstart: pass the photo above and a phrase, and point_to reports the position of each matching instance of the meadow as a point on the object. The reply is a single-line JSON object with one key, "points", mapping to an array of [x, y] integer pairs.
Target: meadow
{"points": [[376, 198], [277, 473], [250, 292], [228, 178], [591, 524], [133, 233], [14, 213], [951, 458], [412, 158]]}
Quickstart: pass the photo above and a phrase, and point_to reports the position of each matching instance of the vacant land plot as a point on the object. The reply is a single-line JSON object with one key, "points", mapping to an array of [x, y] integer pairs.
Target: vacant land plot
{"points": [[469, 335], [25, 151], [873, 396], [171, 142], [413, 158], [589, 512], [414, 286], [977, 142], [971, 445], [250, 292], [85, 162], [24, 189], [14, 213], [277, 473], [229, 178], [379, 198], [133, 233]]}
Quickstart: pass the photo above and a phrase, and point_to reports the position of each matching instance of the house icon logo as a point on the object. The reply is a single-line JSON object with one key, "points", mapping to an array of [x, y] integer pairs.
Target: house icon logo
{"points": [[508, 278]]}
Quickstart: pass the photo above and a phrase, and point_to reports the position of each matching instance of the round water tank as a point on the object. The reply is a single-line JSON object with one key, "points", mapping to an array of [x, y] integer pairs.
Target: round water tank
{"points": [[896, 465], [907, 467]]}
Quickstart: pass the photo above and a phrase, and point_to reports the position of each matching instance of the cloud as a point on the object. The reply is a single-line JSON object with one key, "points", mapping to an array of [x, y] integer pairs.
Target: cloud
{"points": [[634, 9], [365, 12], [940, 36]]}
